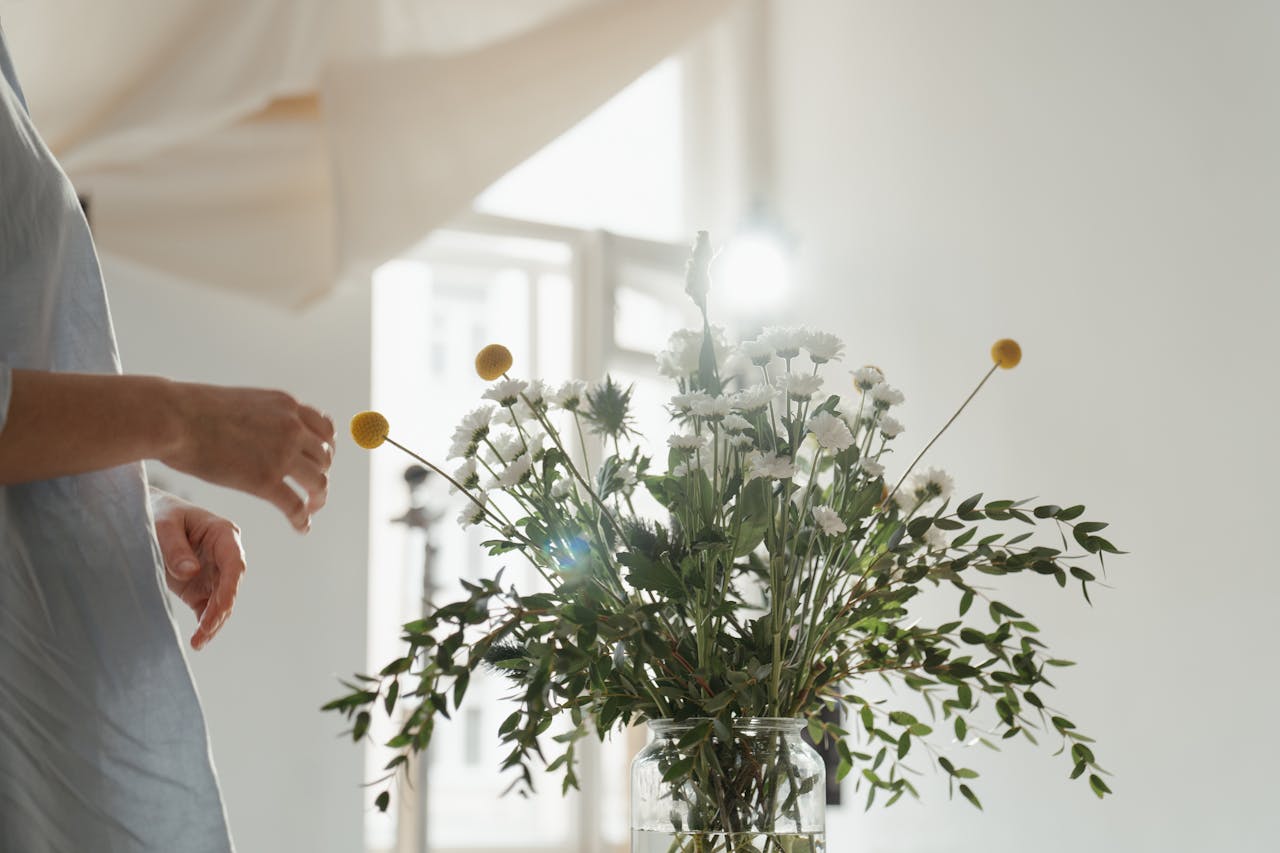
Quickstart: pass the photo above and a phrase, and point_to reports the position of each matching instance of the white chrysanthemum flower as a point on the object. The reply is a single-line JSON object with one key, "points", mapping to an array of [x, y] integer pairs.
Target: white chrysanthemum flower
{"points": [[890, 427], [535, 441], [906, 499], [680, 470], [505, 446], [467, 476], [831, 432], [829, 520], [866, 378], [535, 395], [626, 473], [758, 352], [769, 465], [511, 416], [935, 539], [734, 424], [934, 483], [684, 350], [687, 443], [871, 468], [569, 395], [472, 514], [711, 408], [740, 442], [561, 488], [883, 396], [684, 403], [754, 399], [799, 388], [515, 473], [822, 346], [507, 392], [786, 342], [470, 432]]}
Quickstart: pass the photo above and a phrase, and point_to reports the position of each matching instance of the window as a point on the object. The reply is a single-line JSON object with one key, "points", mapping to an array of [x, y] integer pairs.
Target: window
{"points": [[532, 269]]}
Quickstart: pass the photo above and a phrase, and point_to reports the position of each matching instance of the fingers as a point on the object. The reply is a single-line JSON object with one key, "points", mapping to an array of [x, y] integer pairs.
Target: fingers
{"points": [[319, 423], [313, 480], [288, 502], [179, 559], [228, 555]]}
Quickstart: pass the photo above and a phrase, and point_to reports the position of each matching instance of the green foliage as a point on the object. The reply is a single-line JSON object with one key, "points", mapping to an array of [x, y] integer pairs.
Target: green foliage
{"points": [[739, 603]]}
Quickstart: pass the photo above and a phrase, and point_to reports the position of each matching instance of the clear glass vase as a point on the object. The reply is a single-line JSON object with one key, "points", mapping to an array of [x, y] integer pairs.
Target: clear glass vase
{"points": [[761, 790]]}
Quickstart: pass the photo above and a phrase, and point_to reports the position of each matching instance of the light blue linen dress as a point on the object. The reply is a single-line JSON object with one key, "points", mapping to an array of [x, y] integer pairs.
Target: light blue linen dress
{"points": [[102, 741]]}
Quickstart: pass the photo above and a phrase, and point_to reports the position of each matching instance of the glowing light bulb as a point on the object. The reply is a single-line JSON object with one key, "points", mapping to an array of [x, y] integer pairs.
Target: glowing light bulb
{"points": [[753, 273]]}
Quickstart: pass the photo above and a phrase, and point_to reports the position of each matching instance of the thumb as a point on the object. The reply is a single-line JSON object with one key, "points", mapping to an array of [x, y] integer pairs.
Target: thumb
{"points": [[179, 559]]}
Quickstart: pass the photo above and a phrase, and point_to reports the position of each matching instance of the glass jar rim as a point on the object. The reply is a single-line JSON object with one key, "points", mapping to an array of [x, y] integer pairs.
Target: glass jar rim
{"points": [[748, 725]]}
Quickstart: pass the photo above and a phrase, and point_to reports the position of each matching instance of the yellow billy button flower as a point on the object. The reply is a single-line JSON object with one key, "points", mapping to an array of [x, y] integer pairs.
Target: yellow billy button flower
{"points": [[1006, 353], [493, 361], [369, 429]]}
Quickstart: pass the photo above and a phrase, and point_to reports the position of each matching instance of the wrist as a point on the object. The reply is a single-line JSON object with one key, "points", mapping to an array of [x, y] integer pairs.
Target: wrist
{"points": [[171, 417]]}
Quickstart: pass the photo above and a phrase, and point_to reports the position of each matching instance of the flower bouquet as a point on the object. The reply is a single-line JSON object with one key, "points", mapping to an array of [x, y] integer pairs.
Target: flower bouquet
{"points": [[774, 582]]}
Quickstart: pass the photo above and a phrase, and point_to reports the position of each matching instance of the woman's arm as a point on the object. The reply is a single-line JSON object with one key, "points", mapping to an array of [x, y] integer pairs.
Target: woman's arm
{"points": [[245, 438]]}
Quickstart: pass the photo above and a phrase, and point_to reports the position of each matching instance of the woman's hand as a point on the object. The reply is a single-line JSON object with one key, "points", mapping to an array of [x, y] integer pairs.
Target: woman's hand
{"points": [[203, 561], [252, 440]]}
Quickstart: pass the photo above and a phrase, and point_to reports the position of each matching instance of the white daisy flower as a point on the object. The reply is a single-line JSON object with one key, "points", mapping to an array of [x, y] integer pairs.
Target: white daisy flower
{"points": [[687, 443], [472, 514], [883, 396], [871, 468], [799, 388], [507, 392], [934, 483], [627, 474], [829, 520], [466, 475], [684, 403], [754, 399], [535, 440], [680, 470], [734, 424], [505, 446], [470, 432], [684, 350], [740, 442], [561, 488], [769, 465], [890, 427], [823, 346], [786, 342], [831, 432], [935, 539], [515, 473], [535, 395], [866, 378], [758, 352], [569, 395], [711, 408]]}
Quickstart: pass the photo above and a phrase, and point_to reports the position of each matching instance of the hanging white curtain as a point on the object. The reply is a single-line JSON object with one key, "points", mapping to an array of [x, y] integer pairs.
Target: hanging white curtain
{"points": [[275, 146]]}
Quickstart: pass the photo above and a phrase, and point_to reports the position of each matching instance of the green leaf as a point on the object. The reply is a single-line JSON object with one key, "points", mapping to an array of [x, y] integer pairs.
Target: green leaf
{"points": [[389, 702], [970, 796], [1099, 787], [383, 800]]}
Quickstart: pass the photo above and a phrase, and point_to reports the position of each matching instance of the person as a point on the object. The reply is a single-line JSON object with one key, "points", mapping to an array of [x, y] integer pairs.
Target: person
{"points": [[102, 741]]}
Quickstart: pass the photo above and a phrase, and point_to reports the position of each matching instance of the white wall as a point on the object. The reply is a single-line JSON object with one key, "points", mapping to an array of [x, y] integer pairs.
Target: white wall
{"points": [[289, 782], [1101, 181]]}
